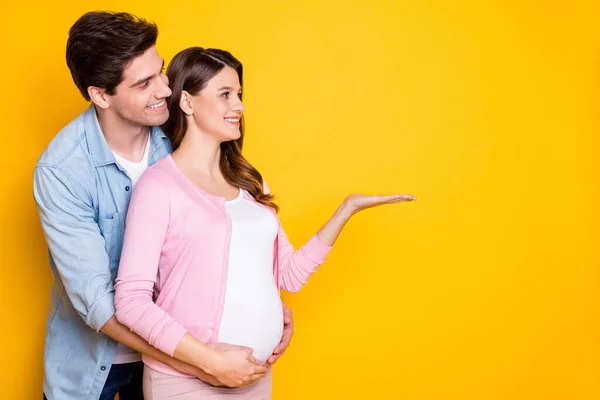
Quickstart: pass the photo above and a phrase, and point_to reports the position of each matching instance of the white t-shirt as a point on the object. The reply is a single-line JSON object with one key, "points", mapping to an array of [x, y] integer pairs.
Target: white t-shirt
{"points": [[252, 313], [134, 170]]}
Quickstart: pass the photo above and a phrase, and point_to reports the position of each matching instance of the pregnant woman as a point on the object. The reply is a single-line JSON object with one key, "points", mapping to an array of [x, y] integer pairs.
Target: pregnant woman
{"points": [[205, 255]]}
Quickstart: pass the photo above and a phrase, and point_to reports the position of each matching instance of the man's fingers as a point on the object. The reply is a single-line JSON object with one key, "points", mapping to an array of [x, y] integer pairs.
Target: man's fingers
{"points": [[261, 363], [256, 377], [258, 364], [253, 378]]}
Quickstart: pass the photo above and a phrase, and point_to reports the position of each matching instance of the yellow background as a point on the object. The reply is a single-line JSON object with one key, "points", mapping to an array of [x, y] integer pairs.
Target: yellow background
{"points": [[487, 111]]}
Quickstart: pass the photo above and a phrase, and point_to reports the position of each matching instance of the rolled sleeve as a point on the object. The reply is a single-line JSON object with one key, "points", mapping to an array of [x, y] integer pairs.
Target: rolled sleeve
{"points": [[101, 311], [316, 250]]}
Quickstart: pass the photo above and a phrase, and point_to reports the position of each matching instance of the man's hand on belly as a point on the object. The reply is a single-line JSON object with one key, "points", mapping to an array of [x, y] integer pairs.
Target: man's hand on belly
{"points": [[286, 338]]}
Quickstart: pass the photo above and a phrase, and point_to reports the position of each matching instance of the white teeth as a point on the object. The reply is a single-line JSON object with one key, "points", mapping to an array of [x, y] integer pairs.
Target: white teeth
{"points": [[157, 105], [233, 120]]}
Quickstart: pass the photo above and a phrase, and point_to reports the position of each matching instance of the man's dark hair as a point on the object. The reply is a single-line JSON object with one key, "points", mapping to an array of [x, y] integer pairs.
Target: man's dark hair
{"points": [[101, 44]]}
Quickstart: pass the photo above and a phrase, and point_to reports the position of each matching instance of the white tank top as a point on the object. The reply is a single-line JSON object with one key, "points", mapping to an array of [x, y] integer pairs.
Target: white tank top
{"points": [[252, 313]]}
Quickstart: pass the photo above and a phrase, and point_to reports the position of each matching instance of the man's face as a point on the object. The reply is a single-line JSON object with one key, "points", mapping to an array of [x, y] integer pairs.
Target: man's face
{"points": [[140, 99]]}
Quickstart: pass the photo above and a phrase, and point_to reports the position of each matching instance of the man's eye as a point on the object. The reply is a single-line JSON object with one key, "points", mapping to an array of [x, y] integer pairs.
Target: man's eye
{"points": [[144, 85]]}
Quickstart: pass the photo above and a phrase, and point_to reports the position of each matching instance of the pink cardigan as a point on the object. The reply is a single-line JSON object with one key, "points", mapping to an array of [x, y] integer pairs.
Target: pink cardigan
{"points": [[173, 271]]}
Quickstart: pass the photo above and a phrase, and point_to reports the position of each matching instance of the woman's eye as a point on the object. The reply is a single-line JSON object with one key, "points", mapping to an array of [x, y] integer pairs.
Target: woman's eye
{"points": [[225, 95]]}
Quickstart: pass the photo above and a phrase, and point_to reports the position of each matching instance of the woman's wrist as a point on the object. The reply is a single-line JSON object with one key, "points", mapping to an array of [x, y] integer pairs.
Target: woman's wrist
{"points": [[197, 354], [346, 210], [331, 230], [209, 361]]}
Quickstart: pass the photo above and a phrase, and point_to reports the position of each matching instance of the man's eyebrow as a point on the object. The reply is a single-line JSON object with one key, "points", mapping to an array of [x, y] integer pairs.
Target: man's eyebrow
{"points": [[139, 82]]}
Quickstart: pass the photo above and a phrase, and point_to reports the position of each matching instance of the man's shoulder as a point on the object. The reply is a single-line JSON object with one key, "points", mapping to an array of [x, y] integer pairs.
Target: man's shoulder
{"points": [[66, 145], [68, 154]]}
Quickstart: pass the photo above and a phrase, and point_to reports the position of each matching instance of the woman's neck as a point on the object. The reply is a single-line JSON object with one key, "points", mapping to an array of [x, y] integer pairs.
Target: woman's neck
{"points": [[199, 154]]}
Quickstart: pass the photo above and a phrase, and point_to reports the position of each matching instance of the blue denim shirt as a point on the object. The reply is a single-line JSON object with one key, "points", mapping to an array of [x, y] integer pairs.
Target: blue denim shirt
{"points": [[82, 196]]}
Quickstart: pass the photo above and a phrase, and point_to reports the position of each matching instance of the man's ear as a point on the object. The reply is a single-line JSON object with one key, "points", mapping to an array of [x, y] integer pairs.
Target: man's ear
{"points": [[98, 96]]}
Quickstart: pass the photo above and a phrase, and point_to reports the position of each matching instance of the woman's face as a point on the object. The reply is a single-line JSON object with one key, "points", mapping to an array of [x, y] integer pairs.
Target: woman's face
{"points": [[218, 107]]}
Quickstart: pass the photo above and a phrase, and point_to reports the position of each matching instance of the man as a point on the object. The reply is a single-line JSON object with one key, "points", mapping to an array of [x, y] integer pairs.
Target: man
{"points": [[82, 186]]}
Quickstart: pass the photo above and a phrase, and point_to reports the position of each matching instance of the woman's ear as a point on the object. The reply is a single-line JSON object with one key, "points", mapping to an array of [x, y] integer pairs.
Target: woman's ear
{"points": [[185, 103]]}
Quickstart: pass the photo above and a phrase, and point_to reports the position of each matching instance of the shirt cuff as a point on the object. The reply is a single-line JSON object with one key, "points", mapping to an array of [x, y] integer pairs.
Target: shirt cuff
{"points": [[168, 341], [101, 311], [316, 250]]}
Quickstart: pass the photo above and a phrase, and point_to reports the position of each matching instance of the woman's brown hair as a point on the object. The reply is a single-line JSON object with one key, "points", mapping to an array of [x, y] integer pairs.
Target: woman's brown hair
{"points": [[190, 70]]}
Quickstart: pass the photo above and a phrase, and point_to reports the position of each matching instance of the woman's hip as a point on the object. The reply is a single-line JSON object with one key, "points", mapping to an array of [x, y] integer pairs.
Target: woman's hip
{"points": [[160, 386]]}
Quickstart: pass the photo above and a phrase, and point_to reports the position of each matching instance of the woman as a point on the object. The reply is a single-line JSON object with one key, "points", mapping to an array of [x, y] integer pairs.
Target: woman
{"points": [[204, 254]]}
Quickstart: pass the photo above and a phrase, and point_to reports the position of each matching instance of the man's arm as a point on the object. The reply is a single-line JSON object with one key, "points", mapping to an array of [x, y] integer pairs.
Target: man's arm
{"points": [[120, 333], [76, 245], [78, 250]]}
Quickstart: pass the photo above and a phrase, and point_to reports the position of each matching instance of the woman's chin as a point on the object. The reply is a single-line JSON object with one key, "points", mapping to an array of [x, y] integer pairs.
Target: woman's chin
{"points": [[234, 137]]}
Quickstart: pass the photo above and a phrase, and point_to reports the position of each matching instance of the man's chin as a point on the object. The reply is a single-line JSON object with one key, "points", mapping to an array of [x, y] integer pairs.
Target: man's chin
{"points": [[158, 120]]}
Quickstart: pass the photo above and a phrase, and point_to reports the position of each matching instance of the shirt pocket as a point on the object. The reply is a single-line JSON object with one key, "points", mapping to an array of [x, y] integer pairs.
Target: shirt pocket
{"points": [[113, 229]]}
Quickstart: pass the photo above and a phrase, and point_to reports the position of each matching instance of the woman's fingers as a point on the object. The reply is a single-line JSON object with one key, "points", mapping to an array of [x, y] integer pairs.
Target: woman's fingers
{"points": [[404, 197], [396, 198], [372, 201]]}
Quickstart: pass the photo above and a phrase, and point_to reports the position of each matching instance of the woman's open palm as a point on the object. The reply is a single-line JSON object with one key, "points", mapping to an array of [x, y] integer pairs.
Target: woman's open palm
{"points": [[359, 202]]}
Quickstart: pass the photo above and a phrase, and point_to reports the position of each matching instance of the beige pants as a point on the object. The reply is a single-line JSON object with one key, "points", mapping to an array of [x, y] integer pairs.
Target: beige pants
{"points": [[159, 386]]}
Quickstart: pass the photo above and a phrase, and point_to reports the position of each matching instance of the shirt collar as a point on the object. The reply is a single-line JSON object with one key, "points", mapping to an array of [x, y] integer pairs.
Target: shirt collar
{"points": [[99, 151]]}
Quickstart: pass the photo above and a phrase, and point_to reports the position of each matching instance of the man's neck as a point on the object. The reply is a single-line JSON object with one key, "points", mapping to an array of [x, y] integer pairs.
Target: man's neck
{"points": [[127, 140]]}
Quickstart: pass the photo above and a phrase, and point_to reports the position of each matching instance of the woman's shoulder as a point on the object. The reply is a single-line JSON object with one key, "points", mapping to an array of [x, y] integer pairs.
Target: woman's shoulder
{"points": [[157, 179], [159, 173]]}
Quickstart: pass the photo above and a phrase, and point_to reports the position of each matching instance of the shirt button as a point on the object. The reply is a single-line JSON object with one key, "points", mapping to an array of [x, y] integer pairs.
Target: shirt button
{"points": [[127, 188], [103, 368]]}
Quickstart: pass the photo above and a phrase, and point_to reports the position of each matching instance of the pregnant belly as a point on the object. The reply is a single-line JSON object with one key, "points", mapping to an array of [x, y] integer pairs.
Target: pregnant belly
{"points": [[253, 319]]}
